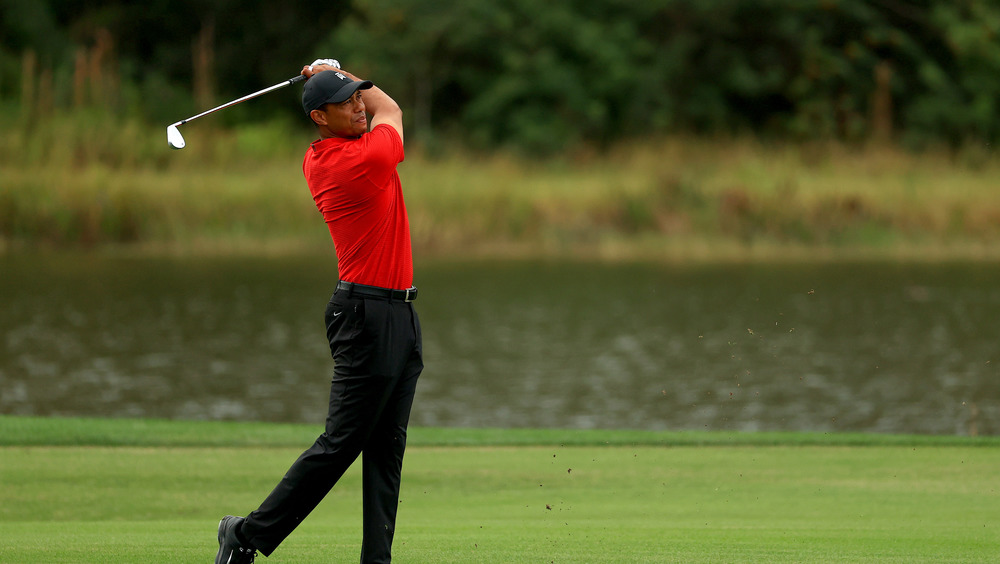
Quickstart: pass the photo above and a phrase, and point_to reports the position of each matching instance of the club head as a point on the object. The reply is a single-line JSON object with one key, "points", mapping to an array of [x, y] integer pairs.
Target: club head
{"points": [[174, 137]]}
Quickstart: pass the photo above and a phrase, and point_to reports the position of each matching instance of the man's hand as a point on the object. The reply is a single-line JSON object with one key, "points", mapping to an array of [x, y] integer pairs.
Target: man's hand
{"points": [[329, 62], [320, 65]]}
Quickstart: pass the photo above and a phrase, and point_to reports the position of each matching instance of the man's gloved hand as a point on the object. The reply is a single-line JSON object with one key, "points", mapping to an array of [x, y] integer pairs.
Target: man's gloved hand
{"points": [[328, 62]]}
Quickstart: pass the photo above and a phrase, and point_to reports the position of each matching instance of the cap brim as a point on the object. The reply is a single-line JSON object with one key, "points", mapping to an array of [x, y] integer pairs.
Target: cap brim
{"points": [[348, 90]]}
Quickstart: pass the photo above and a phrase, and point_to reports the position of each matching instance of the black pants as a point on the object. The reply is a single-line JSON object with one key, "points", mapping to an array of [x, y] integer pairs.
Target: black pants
{"points": [[377, 352]]}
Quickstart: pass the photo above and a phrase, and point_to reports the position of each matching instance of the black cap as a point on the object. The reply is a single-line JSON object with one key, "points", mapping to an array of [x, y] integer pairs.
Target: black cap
{"points": [[330, 87]]}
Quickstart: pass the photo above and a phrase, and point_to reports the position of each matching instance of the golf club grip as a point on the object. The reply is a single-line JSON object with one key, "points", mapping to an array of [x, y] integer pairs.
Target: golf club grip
{"points": [[297, 78]]}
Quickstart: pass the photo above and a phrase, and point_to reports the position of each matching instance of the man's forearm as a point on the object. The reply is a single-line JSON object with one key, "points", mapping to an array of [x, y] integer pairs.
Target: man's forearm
{"points": [[378, 102]]}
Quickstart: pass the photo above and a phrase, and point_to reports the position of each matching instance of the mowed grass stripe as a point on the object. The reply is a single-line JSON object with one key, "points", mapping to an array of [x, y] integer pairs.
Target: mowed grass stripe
{"points": [[522, 504], [561, 501]]}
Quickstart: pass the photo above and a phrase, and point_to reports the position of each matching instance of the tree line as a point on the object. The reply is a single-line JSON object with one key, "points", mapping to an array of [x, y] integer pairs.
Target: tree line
{"points": [[539, 76]]}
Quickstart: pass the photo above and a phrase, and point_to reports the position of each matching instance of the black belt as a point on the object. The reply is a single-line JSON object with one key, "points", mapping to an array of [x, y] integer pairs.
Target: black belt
{"points": [[375, 292]]}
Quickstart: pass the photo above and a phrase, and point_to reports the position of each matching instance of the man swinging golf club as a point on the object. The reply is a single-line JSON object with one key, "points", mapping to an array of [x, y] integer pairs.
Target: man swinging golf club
{"points": [[371, 325]]}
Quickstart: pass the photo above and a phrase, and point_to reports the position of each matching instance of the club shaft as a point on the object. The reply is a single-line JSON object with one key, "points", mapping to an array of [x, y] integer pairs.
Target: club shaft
{"points": [[293, 80]]}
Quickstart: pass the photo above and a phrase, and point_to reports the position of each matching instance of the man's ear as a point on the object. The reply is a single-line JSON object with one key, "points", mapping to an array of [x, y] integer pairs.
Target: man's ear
{"points": [[318, 117]]}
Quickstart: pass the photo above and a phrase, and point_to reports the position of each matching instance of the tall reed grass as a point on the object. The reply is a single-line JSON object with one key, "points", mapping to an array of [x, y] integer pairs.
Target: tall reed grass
{"points": [[91, 179]]}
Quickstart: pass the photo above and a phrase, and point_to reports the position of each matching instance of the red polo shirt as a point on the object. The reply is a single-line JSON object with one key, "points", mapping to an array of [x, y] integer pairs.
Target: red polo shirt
{"points": [[356, 187]]}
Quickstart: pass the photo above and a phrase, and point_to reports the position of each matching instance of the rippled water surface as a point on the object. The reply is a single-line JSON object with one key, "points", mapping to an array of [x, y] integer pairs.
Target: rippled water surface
{"points": [[859, 347]]}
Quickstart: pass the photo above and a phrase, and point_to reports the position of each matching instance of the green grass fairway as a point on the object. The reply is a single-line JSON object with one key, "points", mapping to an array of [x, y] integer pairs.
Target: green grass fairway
{"points": [[506, 496]]}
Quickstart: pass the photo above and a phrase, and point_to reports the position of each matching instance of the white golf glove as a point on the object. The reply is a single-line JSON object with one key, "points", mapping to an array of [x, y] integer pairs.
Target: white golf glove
{"points": [[329, 62]]}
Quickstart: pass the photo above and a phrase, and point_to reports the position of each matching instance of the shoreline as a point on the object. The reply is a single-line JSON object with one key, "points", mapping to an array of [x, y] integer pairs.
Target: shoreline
{"points": [[650, 250]]}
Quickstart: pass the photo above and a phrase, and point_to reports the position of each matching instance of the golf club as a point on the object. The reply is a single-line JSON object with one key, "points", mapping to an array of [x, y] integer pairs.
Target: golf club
{"points": [[176, 140]]}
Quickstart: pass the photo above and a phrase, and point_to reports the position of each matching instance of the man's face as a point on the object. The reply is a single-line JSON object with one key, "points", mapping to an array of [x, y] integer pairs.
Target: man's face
{"points": [[343, 119]]}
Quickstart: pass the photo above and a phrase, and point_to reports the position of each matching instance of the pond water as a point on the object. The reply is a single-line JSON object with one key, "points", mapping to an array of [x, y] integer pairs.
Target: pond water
{"points": [[872, 347]]}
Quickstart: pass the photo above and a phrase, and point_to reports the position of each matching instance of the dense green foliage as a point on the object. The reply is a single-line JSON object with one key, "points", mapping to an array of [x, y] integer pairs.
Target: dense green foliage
{"points": [[544, 74], [538, 75]]}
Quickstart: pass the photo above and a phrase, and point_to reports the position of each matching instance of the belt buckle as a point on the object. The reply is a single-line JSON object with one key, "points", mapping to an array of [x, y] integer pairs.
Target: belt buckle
{"points": [[408, 298]]}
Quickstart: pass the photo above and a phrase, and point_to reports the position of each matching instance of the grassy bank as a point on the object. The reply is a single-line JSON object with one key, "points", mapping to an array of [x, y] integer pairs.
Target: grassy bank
{"points": [[561, 496], [241, 190], [73, 431]]}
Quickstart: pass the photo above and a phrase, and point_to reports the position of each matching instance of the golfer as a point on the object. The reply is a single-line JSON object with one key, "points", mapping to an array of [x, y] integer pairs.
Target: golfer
{"points": [[372, 327]]}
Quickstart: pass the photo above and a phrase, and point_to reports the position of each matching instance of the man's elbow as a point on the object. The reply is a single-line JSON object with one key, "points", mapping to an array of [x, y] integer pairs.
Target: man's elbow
{"points": [[393, 111]]}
